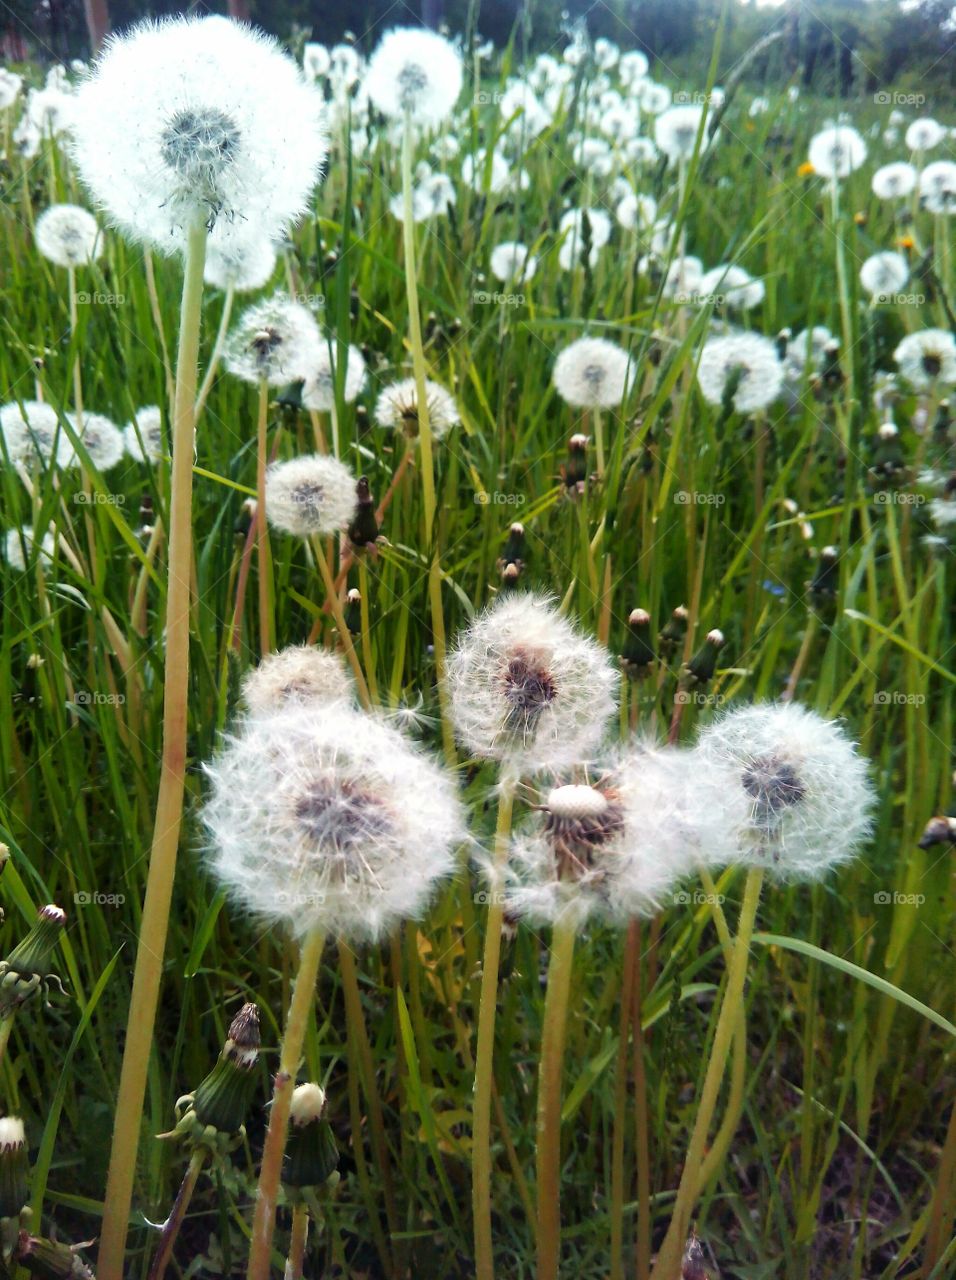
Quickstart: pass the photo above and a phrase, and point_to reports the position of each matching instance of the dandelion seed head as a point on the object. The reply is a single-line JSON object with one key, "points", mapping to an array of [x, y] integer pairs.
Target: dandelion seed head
{"points": [[527, 687], [806, 791], [20, 547], [835, 152], [314, 494], [32, 434], [747, 360], [592, 373], [68, 235], [927, 358], [298, 674], [144, 438], [894, 181], [737, 287], [937, 187], [325, 817], [276, 341], [318, 392], [675, 131], [101, 439], [924, 134], [397, 409], [414, 72], [242, 264], [511, 262], [883, 274]]}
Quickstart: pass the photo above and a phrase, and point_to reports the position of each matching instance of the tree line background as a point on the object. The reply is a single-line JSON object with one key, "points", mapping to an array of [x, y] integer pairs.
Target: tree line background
{"points": [[839, 48]]}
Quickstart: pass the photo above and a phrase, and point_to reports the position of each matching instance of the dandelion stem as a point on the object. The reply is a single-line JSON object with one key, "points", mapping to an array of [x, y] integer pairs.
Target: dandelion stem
{"points": [[620, 1107], [216, 352], [297, 1242], [262, 526], [425, 440], [173, 1223], [148, 969], [6, 1026], [548, 1157], [290, 1054], [345, 636], [669, 1257], [484, 1055]]}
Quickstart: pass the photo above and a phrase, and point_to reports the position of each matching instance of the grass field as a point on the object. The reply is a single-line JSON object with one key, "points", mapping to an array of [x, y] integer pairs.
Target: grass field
{"points": [[843, 1163]]}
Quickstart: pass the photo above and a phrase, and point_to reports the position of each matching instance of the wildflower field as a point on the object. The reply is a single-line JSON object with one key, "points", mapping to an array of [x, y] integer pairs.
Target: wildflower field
{"points": [[476, 678]]}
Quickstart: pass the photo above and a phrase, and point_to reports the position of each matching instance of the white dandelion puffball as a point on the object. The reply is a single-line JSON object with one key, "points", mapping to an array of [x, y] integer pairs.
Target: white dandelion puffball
{"points": [[734, 286], [527, 687], [927, 359], [924, 134], [894, 181], [32, 433], [144, 436], [308, 495], [192, 120], [10, 86], [511, 262], [316, 60], [683, 281], [806, 788], [240, 264], [397, 409], [572, 255], [598, 227], [414, 72], [299, 674], [942, 512], [101, 439], [675, 132], [593, 373], [323, 817], [937, 187], [19, 548], [745, 361], [655, 98], [636, 211], [836, 152], [276, 341], [318, 391], [884, 274], [809, 347], [68, 235], [615, 849]]}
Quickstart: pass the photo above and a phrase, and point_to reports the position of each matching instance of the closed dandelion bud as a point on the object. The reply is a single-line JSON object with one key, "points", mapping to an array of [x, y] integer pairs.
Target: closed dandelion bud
{"points": [[782, 341], [889, 462], [940, 830], [672, 636], [27, 968], [311, 1154], [701, 668], [832, 374], [510, 576], [222, 1100], [353, 611], [245, 517], [364, 527], [692, 1263], [14, 1167], [637, 653], [944, 418], [514, 549], [51, 1260], [823, 587], [574, 473]]}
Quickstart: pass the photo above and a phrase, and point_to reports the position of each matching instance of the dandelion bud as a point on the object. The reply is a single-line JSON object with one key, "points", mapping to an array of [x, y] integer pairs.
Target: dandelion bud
{"points": [[510, 576], [826, 580], [14, 1168], [27, 968], [782, 342], [944, 419], [514, 549], [52, 1260], [222, 1100], [672, 636], [311, 1154], [574, 472], [353, 611], [692, 1263], [363, 529], [637, 653], [700, 669], [941, 830]]}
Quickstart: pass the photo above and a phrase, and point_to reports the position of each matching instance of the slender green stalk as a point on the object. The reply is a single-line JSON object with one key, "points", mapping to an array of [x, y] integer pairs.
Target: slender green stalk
{"points": [[484, 1055], [548, 1161], [266, 623], [290, 1055], [6, 1027], [171, 1226], [669, 1257], [345, 636], [213, 365], [297, 1242], [148, 969], [425, 440], [620, 1107]]}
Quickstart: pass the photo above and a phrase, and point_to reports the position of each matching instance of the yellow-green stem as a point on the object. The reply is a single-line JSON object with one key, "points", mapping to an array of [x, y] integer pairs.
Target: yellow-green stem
{"points": [[548, 1156], [147, 972], [290, 1055], [345, 636], [484, 1055], [170, 1232], [297, 1242], [216, 351], [262, 526], [669, 1257]]}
